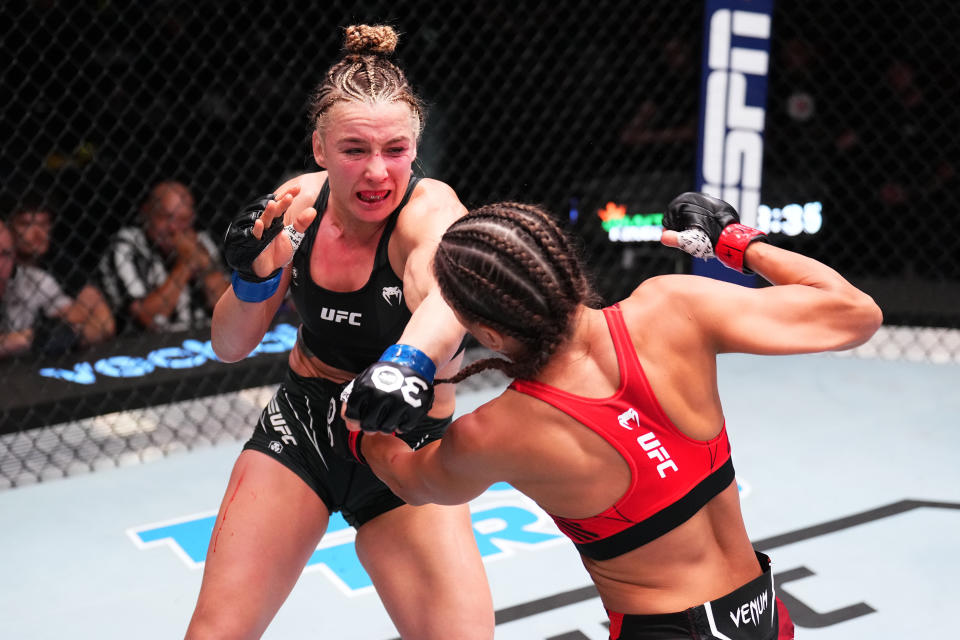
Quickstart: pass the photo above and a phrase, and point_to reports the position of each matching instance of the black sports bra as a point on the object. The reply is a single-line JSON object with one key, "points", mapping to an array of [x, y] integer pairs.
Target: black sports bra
{"points": [[349, 330]]}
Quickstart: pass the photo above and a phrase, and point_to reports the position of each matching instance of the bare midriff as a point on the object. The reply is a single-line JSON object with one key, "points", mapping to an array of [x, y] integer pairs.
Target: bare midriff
{"points": [[706, 557], [310, 366]]}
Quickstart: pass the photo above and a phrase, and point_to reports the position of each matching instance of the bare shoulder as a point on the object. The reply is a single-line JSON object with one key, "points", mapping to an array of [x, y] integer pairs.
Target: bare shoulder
{"points": [[673, 283], [665, 301], [432, 207], [675, 288], [309, 184], [484, 430], [477, 430]]}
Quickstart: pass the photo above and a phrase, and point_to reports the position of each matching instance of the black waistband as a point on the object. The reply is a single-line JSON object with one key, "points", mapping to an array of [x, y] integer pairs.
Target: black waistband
{"points": [[750, 611]]}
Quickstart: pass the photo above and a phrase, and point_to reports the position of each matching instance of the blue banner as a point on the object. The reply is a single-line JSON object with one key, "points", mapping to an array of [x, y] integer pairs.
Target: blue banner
{"points": [[733, 95]]}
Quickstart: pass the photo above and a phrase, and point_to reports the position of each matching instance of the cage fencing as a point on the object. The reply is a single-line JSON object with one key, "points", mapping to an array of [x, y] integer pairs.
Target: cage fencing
{"points": [[589, 108]]}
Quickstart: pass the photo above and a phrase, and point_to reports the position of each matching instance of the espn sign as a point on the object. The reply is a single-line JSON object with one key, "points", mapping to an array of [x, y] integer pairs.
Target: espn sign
{"points": [[732, 106]]}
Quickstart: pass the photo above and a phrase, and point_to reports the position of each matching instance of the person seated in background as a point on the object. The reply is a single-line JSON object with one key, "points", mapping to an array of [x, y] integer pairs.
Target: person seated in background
{"points": [[164, 275], [36, 314], [32, 227]]}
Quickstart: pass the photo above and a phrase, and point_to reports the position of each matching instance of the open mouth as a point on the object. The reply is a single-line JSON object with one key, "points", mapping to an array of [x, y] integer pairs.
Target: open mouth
{"points": [[373, 196]]}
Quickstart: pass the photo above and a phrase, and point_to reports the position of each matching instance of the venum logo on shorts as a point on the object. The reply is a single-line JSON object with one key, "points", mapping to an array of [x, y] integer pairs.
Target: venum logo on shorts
{"points": [[392, 294], [338, 316], [275, 446], [653, 448], [279, 423], [750, 612]]}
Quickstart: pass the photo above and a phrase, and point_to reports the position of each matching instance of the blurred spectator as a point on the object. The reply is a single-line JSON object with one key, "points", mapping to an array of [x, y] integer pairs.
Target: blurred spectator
{"points": [[904, 153], [664, 125], [35, 313], [164, 275], [32, 226], [804, 120], [910, 155]]}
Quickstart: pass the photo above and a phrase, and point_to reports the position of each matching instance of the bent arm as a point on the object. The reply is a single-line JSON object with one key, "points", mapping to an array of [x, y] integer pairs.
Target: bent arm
{"points": [[238, 327], [90, 316], [810, 308], [162, 300]]}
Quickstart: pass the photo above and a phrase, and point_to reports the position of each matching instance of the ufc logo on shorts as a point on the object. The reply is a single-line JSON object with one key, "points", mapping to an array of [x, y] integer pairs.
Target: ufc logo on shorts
{"points": [[654, 450], [388, 379], [338, 316], [278, 423], [732, 152]]}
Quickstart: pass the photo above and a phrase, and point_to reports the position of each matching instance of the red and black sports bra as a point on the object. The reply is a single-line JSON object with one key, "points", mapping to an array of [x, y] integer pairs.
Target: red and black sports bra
{"points": [[672, 476]]}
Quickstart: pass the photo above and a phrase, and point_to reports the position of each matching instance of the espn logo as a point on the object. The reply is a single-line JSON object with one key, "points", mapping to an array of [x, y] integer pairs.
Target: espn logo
{"points": [[733, 112]]}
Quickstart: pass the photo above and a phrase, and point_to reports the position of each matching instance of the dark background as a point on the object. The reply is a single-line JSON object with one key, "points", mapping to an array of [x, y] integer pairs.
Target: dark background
{"points": [[528, 101], [565, 103]]}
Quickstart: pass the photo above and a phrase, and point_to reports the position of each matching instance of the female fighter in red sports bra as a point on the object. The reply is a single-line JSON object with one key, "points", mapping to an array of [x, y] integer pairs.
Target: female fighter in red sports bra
{"points": [[614, 423]]}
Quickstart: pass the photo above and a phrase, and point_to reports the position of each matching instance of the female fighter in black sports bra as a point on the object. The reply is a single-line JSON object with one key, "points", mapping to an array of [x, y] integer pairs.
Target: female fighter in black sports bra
{"points": [[361, 235]]}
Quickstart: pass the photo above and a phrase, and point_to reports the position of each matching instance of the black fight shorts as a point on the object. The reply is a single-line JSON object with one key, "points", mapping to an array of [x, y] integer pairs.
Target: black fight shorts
{"points": [[294, 429], [751, 612]]}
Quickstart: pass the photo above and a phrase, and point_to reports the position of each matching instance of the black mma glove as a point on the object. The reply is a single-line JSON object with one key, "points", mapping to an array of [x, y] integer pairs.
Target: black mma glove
{"points": [[393, 394], [709, 227], [241, 248]]}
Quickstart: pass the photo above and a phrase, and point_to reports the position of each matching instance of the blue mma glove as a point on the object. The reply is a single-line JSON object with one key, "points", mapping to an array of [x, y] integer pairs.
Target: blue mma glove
{"points": [[393, 394]]}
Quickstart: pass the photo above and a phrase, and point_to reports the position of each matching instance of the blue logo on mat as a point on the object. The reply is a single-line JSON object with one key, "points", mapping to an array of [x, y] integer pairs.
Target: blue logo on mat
{"points": [[501, 525]]}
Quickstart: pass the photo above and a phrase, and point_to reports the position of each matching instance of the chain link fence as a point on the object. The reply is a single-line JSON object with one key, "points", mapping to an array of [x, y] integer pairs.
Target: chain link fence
{"points": [[590, 108]]}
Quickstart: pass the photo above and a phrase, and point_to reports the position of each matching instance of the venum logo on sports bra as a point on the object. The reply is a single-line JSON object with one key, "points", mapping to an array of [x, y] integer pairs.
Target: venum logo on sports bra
{"points": [[627, 416], [392, 294], [338, 316]]}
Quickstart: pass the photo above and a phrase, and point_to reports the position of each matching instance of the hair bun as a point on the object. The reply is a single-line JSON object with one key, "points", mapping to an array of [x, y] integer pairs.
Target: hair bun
{"points": [[363, 39]]}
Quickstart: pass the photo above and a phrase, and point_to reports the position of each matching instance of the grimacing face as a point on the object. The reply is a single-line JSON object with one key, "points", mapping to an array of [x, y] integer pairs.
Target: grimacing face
{"points": [[368, 151]]}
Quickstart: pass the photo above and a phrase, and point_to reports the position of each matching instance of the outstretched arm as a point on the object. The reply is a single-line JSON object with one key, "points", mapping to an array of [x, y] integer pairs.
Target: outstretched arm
{"points": [[432, 328], [395, 392], [452, 470]]}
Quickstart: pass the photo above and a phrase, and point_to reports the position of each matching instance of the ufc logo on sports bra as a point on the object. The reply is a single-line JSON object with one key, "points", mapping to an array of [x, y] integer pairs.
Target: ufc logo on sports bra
{"points": [[654, 450], [338, 316]]}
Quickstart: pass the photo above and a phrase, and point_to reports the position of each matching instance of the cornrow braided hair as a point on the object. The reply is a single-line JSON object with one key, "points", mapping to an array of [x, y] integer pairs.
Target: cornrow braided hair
{"points": [[365, 73], [509, 266]]}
